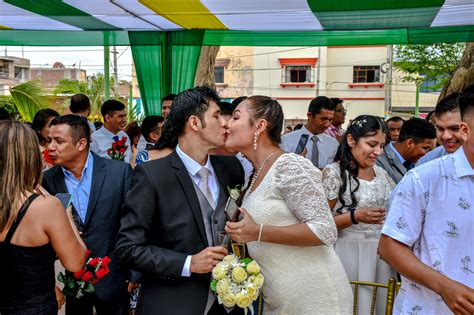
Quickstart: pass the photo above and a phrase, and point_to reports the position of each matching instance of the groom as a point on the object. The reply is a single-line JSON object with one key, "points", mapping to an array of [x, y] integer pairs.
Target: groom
{"points": [[175, 208]]}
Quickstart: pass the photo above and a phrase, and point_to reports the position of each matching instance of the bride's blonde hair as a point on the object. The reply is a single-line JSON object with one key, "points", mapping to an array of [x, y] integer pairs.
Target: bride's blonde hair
{"points": [[20, 167]]}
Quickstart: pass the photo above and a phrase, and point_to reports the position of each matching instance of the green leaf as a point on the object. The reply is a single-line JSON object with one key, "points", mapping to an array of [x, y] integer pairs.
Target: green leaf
{"points": [[29, 98], [213, 285], [61, 278], [89, 288], [246, 261]]}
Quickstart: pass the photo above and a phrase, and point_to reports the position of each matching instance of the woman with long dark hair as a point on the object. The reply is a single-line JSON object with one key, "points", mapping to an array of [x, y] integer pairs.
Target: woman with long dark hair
{"points": [[358, 191]]}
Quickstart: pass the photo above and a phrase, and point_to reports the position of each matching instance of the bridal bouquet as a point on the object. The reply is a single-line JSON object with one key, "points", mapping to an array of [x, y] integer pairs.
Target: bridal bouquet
{"points": [[237, 282], [118, 149], [78, 283]]}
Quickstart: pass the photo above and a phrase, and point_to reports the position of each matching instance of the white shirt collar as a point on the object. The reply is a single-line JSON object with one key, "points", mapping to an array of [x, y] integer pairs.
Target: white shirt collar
{"points": [[191, 165], [305, 130], [461, 164], [107, 132]]}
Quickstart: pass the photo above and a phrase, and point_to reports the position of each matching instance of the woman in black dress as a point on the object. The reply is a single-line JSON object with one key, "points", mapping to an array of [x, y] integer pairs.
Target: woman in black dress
{"points": [[34, 228]]}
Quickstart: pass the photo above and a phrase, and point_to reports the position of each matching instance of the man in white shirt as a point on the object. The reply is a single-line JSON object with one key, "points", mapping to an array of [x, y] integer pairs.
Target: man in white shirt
{"points": [[428, 236], [320, 114], [115, 120], [447, 119]]}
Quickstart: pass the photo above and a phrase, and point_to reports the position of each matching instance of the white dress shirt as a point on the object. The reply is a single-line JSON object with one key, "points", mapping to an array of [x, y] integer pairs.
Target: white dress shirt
{"points": [[102, 140], [431, 211], [327, 145], [193, 168]]}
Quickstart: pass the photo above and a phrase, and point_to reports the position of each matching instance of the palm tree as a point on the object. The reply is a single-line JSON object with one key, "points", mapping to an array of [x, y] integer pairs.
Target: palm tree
{"points": [[29, 98]]}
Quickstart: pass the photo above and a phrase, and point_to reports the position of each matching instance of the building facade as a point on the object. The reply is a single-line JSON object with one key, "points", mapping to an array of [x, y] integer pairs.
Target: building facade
{"points": [[13, 71]]}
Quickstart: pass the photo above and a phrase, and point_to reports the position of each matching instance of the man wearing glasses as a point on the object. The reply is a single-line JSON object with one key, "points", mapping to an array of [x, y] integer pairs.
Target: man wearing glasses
{"points": [[335, 130]]}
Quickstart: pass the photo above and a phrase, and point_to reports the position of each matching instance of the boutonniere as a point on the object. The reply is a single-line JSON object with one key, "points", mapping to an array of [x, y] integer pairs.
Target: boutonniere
{"points": [[234, 193]]}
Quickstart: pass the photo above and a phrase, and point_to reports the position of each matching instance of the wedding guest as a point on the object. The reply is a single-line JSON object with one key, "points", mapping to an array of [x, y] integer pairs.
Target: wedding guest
{"points": [[166, 144], [287, 224], [98, 187], [320, 148], [80, 105], [34, 228], [335, 129], [428, 237], [358, 191], [133, 131], [40, 125], [166, 103], [394, 125], [115, 120], [175, 207], [98, 125], [288, 129], [4, 115], [150, 132], [447, 123], [298, 127], [415, 140], [238, 100]]}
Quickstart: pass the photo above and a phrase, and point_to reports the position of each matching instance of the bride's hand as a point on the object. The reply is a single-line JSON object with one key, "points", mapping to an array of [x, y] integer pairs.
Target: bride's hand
{"points": [[243, 231]]}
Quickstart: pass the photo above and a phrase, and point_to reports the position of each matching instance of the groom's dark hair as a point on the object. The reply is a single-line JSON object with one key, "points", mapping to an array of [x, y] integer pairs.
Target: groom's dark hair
{"points": [[191, 102]]}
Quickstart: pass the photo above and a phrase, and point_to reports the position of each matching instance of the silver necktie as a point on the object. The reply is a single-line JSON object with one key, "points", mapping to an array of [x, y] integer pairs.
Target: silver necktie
{"points": [[204, 185]]}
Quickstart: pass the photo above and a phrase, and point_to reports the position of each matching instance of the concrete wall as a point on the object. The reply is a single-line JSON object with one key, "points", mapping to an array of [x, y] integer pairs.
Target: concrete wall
{"points": [[238, 71]]}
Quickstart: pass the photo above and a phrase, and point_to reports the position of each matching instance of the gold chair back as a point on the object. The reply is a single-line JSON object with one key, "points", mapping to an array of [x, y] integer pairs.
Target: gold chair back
{"points": [[392, 289]]}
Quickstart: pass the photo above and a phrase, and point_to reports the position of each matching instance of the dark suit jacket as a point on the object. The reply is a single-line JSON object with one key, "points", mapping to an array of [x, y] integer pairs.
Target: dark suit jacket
{"points": [[161, 225], [391, 164], [111, 180]]}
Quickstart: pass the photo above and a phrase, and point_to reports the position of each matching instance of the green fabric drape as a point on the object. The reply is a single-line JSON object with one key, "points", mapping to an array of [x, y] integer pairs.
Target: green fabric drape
{"points": [[166, 64], [185, 53], [148, 67]]}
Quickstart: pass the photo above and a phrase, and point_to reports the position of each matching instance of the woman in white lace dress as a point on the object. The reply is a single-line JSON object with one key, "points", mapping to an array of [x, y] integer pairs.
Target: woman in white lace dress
{"points": [[358, 193], [287, 224]]}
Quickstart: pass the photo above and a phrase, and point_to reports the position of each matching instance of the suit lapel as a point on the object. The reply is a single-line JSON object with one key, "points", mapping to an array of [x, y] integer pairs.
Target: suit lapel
{"points": [[98, 177], [59, 182], [394, 161], [186, 183]]}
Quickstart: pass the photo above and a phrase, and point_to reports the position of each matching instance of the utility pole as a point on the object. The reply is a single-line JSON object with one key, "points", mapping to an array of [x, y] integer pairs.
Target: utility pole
{"points": [[388, 80], [106, 73], [115, 72], [318, 70]]}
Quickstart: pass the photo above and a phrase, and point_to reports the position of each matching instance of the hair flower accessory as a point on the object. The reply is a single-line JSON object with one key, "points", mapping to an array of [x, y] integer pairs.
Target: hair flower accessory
{"points": [[359, 123]]}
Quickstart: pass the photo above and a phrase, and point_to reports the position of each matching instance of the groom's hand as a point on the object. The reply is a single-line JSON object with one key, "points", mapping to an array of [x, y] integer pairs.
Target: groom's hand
{"points": [[204, 261]]}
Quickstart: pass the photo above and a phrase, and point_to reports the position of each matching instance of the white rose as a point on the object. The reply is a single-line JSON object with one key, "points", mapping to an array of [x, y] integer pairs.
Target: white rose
{"points": [[253, 268], [229, 300], [230, 259], [242, 300], [219, 272], [222, 286], [258, 281], [239, 274]]}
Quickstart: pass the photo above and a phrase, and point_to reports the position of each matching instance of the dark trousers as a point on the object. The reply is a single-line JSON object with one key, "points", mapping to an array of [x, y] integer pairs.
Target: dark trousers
{"points": [[85, 305], [217, 309]]}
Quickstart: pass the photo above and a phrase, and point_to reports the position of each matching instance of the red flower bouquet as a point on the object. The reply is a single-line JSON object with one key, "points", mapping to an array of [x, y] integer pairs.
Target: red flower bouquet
{"points": [[118, 149], [78, 283], [46, 157]]}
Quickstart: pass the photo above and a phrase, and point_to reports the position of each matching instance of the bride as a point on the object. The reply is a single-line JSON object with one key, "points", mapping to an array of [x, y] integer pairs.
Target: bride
{"points": [[287, 224]]}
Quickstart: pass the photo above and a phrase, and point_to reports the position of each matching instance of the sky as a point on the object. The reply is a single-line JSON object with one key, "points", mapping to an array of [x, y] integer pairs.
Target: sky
{"points": [[88, 58]]}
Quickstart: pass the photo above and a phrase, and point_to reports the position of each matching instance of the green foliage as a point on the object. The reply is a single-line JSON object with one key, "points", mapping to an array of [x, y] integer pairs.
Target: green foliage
{"points": [[6, 102], [434, 62], [133, 113], [66, 86], [213, 285], [28, 98]]}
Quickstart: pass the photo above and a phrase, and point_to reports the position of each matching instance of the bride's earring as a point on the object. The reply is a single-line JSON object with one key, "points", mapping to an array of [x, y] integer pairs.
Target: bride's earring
{"points": [[255, 136]]}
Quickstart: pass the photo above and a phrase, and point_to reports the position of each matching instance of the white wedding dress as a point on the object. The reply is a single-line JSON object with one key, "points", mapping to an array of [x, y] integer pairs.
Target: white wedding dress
{"points": [[298, 280]]}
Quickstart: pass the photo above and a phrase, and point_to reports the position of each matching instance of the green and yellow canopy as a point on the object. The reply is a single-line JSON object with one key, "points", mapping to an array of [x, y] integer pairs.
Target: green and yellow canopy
{"points": [[252, 22]]}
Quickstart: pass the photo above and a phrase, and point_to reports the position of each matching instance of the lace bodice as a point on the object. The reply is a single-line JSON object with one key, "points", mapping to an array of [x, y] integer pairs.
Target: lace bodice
{"points": [[371, 194], [298, 183]]}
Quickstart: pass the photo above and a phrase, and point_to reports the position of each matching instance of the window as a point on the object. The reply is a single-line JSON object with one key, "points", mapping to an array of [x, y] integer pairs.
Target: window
{"points": [[298, 74], [434, 85], [219, 74], [366, 74]]}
